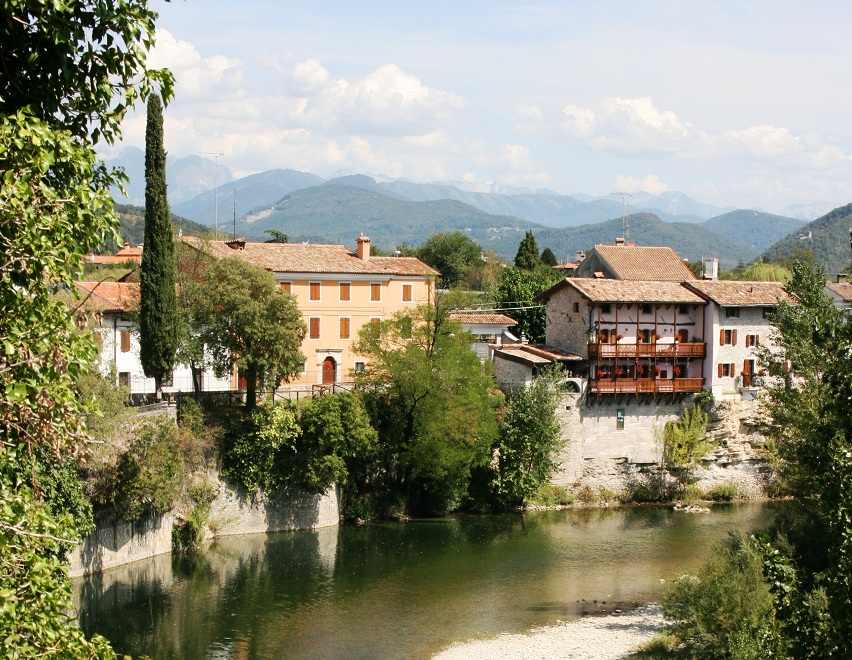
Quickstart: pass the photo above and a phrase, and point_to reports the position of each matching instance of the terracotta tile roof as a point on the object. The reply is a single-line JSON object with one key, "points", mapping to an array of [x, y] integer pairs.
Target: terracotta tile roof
{"points": [[642, 262], [112, 259], [312, 258], [109, 296], [627, 291], [734, 293], [568, 265], [534, 354], [482, 318], [841, 289], [130, 251]]}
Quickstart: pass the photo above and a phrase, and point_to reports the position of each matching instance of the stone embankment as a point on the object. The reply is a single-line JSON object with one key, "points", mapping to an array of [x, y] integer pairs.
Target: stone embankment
{"points": [[593, 637]]}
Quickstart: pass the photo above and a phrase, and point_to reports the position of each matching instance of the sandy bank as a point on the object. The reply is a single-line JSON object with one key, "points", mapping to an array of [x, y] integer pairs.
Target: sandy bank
{"points": [[598, 637]]}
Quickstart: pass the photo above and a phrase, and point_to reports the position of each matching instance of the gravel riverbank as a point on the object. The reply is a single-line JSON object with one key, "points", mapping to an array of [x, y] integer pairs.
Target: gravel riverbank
{"points": [[593, 637]]}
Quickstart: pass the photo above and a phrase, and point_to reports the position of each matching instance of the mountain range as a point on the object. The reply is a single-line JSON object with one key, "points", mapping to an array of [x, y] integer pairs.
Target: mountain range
{"points": [[827, 238]]}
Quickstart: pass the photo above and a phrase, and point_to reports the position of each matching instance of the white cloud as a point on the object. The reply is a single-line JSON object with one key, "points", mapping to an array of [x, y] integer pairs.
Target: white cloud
{"points": [[310, 75], [579, 121], [765, 141], [649, 184]]}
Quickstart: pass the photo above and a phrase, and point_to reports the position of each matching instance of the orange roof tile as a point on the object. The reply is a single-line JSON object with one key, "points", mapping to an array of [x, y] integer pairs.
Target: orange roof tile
{"points": [[642, 262], [734, 293], [842, 289], [312, 258], [627, 291], [109, 296]]}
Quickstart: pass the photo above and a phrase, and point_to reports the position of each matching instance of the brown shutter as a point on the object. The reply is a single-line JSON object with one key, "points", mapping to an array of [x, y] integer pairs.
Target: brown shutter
{"points": [[406, 293], [375, 292], [125, 341], [721, 337], [285, 287], [315, 290], [734, 337], [315, 328], [344, 328], [720, 370], [344, 291]]}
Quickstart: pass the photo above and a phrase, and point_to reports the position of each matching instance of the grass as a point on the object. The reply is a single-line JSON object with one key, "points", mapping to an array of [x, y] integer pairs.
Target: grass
{"points": [[661, 645], [550, 495]]}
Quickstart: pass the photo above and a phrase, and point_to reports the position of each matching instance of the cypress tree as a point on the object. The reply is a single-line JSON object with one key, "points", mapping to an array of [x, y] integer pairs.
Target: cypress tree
{"points": [[547, 257], [527, 256], [158, 313]]}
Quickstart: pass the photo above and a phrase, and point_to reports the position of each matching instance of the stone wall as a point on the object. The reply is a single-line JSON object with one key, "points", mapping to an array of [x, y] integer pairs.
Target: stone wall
{"points": [[114, 543], [599, 455]]}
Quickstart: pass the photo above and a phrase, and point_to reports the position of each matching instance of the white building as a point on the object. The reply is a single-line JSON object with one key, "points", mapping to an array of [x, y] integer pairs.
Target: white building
{"points": [[110, 306], [736, 322], [489, 330]]}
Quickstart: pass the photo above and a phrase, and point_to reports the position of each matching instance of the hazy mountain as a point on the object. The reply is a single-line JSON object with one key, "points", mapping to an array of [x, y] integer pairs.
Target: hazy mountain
{"points": [[186, 177], [755, 229], [132, 226], [673, 204], [828, 242], [691, 241], [335, 213], [251, 192]]}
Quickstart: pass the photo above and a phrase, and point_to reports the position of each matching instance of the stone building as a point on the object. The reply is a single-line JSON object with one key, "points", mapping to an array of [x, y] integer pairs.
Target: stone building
{"points": [[489, 330], [624, 261]]}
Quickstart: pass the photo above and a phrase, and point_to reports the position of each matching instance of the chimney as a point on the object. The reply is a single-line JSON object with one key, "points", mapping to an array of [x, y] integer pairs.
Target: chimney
{"points": [[236, 244], [619, 240], [710, 268], [363, 247]]}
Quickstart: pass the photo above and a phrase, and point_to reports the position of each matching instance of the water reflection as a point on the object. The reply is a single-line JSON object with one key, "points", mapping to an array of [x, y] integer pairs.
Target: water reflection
{"points": [[397, 590]]}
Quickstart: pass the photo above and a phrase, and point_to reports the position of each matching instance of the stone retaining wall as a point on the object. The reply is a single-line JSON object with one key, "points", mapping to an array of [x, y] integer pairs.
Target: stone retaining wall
{"points": [[114, 543]]}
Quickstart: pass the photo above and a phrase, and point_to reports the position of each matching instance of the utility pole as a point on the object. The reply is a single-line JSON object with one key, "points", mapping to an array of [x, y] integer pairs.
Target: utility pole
{"points": [[216, 155], [625, 221]]}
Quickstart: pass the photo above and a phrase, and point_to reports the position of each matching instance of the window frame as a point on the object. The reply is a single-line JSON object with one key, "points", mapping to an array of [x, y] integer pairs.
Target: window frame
{"points": [[348, 321], [311, 327], [347, 285], [410, 288], [311, 291], [374, 283]]}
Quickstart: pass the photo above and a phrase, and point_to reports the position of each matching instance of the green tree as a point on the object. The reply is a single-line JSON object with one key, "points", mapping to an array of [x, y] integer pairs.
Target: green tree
{"points": [[430, 400], [248, 322], [157, 278], [808, 400], [190, 349], [70, 73], [527, 257], [452, 254], [525, 454], [276, 236], [685, 441], [548, 258], [516, 290]]}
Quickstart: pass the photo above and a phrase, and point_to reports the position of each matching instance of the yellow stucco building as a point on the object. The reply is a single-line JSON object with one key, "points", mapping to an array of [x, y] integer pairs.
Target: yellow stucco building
{"points": [[338, 290]]}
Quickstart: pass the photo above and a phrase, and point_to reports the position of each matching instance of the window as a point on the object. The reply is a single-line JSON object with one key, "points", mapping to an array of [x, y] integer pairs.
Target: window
{"points": [[406, 293], [606, 308], [285, 287], [726, 370], [375, 291], [727, 337], [767, 311], [314, 326], [314, 291], [125, 341], [124, 378], [683, 309], [344, 328], [359, 367], [168, 379], [619, 419], [345, 291], [647, 309], [645, 335], [375, 321], [576, 308], [603, 336], [732, 312], [752, 340]]}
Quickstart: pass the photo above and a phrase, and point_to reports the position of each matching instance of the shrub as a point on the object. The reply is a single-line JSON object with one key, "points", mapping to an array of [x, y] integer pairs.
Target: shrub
{"points": [[723, 492], [254, 443], [528, 443], [729, 610], [150, 473], [552, 495], [691, 493], [190, 415], [586, 495]]}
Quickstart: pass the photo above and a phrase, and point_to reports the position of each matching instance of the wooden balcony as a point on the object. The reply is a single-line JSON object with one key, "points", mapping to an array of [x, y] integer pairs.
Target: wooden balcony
{"points": [[646, 385], [679, 349]]}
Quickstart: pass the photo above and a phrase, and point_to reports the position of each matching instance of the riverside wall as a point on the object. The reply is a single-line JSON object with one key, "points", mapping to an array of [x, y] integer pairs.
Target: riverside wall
{"points": [[116, 542], [597, 454]]}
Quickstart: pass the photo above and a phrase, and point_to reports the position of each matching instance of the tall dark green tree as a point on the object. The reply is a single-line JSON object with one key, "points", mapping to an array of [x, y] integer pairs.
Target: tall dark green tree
{"points": [[158, 313], [527, 256], [548, 258]]}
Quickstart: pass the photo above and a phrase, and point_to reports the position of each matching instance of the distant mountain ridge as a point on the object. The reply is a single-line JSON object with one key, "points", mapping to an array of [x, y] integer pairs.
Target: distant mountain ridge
{"points": [[756, 229], [827, 238]]}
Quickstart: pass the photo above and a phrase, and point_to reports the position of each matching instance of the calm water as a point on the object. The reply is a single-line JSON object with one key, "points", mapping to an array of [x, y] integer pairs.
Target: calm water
{"points": [[398, 590]]}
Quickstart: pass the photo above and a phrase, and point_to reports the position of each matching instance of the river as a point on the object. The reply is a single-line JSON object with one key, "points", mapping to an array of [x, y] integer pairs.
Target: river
{"points": [[399, 590]]}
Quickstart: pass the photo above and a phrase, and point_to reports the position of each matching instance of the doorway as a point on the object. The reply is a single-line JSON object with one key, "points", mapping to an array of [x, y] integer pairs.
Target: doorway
{"points": [[329, 371]]}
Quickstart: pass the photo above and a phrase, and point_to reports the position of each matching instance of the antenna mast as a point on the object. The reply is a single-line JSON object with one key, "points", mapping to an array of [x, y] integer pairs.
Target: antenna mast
{"points": [[235, 215], [216, 155]]}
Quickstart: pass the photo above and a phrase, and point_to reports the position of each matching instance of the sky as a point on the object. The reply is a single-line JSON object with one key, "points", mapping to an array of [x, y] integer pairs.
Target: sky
{"points": [[738, 104]]}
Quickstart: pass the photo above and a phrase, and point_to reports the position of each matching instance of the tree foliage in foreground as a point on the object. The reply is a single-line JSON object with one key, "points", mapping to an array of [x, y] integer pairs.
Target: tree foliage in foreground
{"points": [[70, 72], [517, 288], [431, 402], [248, 322], [527, 257], [453, 254]]}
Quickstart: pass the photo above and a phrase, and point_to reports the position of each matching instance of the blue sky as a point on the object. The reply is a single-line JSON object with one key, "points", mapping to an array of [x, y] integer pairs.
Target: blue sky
{"points": [[739, 104]]}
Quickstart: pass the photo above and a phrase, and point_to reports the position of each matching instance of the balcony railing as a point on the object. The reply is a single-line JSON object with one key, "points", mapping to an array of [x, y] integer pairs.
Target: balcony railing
{"points": [[679, 349], [646, 385]]}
